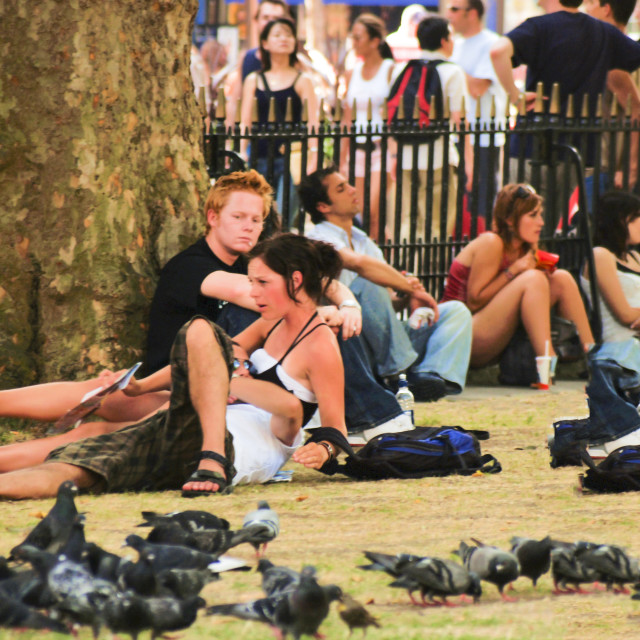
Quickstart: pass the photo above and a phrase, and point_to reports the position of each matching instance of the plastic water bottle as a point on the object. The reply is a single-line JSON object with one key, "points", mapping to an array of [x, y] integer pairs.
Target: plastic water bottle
{"points": [[405, 397]]}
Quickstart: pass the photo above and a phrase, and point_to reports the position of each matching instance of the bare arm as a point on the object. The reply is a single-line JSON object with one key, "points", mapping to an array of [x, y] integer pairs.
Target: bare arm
{"points": [[477, 87], [232, 287], [610, 288], [485, 277], [501, 54], [248, 96]]}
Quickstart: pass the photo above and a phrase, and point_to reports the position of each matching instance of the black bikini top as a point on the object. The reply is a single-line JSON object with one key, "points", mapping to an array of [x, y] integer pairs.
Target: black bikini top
{"points": [[271, 375]]}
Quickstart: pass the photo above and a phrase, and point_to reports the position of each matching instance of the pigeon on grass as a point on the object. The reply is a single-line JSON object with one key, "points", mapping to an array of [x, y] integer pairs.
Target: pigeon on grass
{"points": [[277, 579], [490, 564], [613, 566], [534, 556], [169, 556], [52, 532], [299, 611], [390, 564], [15, 614], [438, 578], [190, 520], [355, 615], [567, 569], [264, 525]]}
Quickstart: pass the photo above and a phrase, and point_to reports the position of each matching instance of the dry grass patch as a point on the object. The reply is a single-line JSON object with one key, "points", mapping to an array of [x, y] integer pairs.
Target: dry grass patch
{"points": [[329, 521]]}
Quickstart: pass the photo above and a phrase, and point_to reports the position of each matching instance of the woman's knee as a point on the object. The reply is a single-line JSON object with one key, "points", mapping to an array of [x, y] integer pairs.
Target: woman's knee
{"points": [[562, 281], [534, 279]]}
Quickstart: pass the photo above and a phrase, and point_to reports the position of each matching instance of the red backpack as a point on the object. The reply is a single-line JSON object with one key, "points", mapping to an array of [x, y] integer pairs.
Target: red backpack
{"points": [[420, 79]]}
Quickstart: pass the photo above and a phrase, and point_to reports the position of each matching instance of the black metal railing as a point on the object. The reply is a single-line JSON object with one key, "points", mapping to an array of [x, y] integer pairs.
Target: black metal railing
{"points": [[534, 150]]}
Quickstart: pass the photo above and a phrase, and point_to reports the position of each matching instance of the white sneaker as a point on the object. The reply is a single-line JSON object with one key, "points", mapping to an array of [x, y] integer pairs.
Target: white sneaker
{"points": [[598, 452], [395, 425]]}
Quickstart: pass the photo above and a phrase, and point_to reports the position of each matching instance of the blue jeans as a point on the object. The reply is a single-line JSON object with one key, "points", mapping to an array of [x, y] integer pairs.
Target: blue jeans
{"points": [[367, 404], [443, 348]]}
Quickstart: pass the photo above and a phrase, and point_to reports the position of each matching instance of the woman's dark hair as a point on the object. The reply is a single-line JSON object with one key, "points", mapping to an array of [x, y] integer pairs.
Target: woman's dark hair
{"points": [[318, 262], [513, 202], [375, 29], [265, 57], [615, 210]]}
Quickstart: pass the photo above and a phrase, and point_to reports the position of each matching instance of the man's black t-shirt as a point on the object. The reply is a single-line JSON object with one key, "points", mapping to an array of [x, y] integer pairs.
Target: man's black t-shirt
{"points": [[574, 50], [177, 298]]}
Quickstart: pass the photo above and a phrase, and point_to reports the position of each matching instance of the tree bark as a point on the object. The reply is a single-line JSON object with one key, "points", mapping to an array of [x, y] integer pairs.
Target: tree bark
{"points": [[101, 176]]}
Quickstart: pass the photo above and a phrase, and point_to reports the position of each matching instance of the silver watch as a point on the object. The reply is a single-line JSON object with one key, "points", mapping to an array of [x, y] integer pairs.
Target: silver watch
{"points": [[353, 304]]}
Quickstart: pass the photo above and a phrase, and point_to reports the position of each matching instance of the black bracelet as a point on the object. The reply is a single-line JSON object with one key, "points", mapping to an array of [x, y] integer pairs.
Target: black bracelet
{"points": [[330, 450]]}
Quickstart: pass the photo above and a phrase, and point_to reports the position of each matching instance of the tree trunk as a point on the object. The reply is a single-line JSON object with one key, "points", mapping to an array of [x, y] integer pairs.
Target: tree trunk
{"points": [[101, 176]]}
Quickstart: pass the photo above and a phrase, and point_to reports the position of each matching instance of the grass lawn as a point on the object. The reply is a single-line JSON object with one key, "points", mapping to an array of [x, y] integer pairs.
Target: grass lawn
{"points": [[327, 522]]}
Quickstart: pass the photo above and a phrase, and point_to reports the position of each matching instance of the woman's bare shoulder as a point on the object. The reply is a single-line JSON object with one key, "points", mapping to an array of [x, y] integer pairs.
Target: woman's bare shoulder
{"points": [[486, 244]]}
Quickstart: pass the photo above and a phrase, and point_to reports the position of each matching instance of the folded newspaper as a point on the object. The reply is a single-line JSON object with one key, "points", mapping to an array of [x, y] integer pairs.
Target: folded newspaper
{"points": [[91, 401]]}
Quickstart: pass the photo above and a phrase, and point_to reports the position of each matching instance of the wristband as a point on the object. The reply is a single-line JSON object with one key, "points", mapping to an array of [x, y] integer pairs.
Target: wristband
{"points": [[330, 450], [510, 276], [352, 304]]}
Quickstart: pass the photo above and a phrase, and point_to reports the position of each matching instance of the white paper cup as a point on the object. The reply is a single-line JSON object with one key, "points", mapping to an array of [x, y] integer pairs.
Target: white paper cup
{"points": [[543, 364]]}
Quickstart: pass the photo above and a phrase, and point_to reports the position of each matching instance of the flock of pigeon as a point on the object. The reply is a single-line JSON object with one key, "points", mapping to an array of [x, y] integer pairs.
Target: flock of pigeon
{"points": [[73, 582]]}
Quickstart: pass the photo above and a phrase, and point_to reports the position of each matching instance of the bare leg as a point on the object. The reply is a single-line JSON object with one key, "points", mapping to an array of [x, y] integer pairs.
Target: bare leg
{"points": [[43, 480], [208, 388], [565, 293], [48, 402], [526, 297]]}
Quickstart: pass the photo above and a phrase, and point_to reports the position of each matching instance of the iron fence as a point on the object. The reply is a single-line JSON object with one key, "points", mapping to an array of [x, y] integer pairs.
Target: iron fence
{"points": [[570, 157]]}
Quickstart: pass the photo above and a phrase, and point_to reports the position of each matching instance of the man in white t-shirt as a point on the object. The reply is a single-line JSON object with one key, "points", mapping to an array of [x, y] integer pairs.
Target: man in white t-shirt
{"points": [[436, 43], [471, 52]]}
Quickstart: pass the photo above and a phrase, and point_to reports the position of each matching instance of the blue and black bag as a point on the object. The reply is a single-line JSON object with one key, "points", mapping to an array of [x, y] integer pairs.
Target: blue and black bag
{"points": [[618, 472], [420, 453]]}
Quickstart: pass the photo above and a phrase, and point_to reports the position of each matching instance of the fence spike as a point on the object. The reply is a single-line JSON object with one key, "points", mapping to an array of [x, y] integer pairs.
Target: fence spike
{"points": [[571, 110], [614, 109], [539, 106], [337, 116], [354, 109], [221, 105], [305, 111], [433, 112], [202, 102], [627, 108], [585, 106], [463, 108], [492, 113], [369, 110], [447, 107], [272, 110], [416, 110], [522, 105], [288, 115], [401, 108], [254, 110], [238, 117], [478, 111], [385, 111], [599, 106], [555, 99]]}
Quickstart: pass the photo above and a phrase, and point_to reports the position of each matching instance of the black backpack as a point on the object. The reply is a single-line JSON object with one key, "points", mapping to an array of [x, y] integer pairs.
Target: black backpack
{"points": [[420, 453], [420, 80], [618, 472]]}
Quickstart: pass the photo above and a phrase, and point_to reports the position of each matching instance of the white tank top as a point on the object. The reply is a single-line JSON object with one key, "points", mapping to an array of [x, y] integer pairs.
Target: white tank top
{"points": [[377, 89]]}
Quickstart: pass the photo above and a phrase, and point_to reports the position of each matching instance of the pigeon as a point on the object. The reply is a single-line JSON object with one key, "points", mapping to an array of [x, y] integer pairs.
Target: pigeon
{"points": [[190, 520], [140, 576], [354, 615], [52, 532], [167, 556], [390, 564], [5, 570], [438, 578], [264, 525], [612, 566], [127, 613], [298, 612], [184, 583], [491, 564], [567, 568], [534, 556], [103, 564], [277, 580], [29, 588], [15, 614], [170, 614], [216, 541]]}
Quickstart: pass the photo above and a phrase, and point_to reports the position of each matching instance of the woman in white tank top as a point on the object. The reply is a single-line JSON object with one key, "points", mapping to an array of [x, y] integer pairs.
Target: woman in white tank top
{"points": [[370, 79], [617, 233]]}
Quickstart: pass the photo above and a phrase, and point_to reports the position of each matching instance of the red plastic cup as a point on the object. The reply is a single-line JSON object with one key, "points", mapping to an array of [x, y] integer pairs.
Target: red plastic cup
{"points": [[546, 261]]}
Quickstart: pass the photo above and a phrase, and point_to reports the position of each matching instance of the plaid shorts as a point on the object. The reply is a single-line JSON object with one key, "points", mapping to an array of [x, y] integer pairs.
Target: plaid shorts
{"points": [[160, 452]]}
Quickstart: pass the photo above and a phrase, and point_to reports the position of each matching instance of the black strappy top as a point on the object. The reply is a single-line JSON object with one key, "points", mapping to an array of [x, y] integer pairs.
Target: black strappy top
{"points": [[271, 374]]}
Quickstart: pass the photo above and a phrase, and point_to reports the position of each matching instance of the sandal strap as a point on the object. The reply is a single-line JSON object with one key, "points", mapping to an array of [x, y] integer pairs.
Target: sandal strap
{"points": [[216, 457], [205, 475]]}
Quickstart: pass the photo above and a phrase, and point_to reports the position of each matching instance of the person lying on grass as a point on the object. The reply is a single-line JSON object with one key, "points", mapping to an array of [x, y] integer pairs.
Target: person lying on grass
{"points": [[283, 366]]}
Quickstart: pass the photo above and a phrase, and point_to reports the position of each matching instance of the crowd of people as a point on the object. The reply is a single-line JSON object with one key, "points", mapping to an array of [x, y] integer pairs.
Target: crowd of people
{"points": [[253, 339]]}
